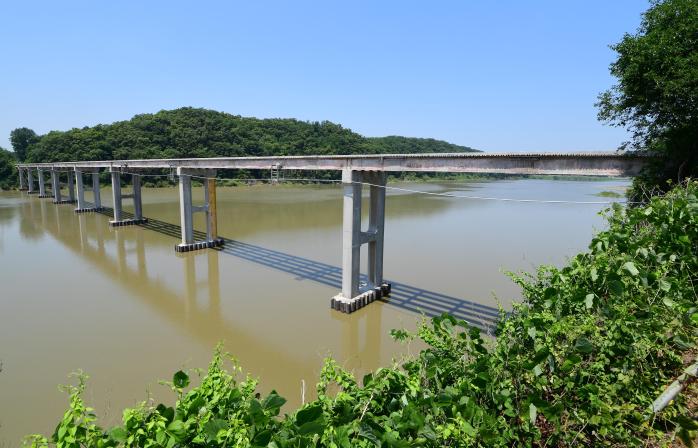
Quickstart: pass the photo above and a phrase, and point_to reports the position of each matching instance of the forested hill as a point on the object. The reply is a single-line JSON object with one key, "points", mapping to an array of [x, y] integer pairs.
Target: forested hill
{"points": [[190, 132]]}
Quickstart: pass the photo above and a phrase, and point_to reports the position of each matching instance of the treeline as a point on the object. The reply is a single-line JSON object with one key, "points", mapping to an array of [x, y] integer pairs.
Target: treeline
{"points": [[191, 132]]}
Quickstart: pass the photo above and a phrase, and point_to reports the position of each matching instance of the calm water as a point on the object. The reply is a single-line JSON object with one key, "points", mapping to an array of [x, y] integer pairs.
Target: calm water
{"points": [[120, 304]]}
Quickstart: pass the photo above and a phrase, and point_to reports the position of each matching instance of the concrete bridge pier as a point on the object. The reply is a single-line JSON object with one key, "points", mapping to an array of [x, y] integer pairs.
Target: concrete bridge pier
{"points": [[82, 205], [187, 210], [118, 198], [30, 182], [42, 184], [56, 186], [22, 182], [71, 189], [97, 201], [354, 295]]}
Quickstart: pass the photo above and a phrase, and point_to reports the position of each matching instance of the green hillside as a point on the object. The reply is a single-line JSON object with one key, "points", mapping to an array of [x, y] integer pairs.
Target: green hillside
{"points": [[190, 132]]}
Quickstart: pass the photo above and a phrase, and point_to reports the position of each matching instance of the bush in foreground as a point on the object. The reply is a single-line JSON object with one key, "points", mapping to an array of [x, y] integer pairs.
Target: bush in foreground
{"points": [[577, 363]]}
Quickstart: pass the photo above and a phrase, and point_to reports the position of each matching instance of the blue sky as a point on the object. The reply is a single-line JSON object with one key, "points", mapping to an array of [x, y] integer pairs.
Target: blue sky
{"points": [[494, 75]]}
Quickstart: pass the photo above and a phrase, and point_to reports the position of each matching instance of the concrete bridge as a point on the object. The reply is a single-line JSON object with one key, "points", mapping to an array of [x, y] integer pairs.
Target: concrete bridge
{"points": [[357, 171]]}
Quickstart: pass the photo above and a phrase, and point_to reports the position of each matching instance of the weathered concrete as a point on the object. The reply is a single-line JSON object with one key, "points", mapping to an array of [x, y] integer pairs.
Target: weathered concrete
{"points": [[30, 181], [97, 201], [42, 184], [71, 189], [118, 197], [56, 185], [82, 204], [352, 295], [600, 164], [22, 181], [187, 210]]}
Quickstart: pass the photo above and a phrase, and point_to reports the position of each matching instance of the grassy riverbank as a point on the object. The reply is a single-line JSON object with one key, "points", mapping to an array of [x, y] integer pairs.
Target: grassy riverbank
{"points": [[579, 362]]}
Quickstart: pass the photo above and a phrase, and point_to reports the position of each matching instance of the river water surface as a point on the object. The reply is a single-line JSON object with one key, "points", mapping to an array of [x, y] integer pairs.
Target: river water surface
{"points": [[123, 307]]}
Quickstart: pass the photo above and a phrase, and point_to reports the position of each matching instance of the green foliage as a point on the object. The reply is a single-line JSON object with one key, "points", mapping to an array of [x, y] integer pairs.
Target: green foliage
{"points": [[8, 174], [190, 132], [22, 139], [657, 93], [578, 363]]}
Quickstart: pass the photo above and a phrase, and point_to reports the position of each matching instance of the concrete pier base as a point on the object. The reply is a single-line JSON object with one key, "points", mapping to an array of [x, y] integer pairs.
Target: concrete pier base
{"points": [[127, 222], [352, 296], [89, 210], [340, 303], [218, 242], [187, 210]]}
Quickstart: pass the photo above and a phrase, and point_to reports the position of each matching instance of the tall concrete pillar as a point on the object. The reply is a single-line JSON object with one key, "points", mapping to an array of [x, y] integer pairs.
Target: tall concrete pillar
{"points": [[352, 296], [42, 184], [80, 182], [116, 194], [137, 204], [81, 190], [187, 210], [351, 228], [71, 189], [376, 224], [95, 190], [56, 186], [118, 198], [22, 183], [30, 181]]}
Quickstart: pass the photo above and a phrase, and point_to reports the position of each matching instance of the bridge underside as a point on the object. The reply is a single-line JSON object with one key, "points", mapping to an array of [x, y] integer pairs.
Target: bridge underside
{"points": [[358, 171]]}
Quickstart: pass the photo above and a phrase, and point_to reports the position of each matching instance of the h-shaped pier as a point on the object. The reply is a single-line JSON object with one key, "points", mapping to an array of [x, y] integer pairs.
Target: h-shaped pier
{"points": [[357, 171]]}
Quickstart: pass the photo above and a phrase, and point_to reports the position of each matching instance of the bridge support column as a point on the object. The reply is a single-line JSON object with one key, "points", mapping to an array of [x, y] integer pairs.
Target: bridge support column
{"points": [[71, 189], [56, 186], [22, 183], [97, 202], [42, 184], [82, 204], [353, 295], [187, 210], [30, 182], [118, 198]]}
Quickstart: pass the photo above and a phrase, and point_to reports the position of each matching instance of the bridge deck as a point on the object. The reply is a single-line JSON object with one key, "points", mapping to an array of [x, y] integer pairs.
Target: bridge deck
{"points": [[599, 164]]}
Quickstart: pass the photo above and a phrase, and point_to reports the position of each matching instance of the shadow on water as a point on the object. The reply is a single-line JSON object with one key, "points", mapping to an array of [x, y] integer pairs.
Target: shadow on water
{"points": [[407, 297]]}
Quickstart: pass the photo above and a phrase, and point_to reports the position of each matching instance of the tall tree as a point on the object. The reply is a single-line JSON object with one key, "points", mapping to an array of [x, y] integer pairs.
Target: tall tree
{"points": [[8, 174], [656, 96], [21, 139]]}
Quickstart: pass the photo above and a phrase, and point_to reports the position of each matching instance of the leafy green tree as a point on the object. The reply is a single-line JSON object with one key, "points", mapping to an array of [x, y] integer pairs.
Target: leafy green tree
{"points": [[656, 96], [8, 174], [22, 139]]}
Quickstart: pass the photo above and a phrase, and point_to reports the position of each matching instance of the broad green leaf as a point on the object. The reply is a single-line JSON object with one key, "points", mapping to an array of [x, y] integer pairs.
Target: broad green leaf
{"points": [[583, 345], [180, 380], [308, 414], [630, 267]]}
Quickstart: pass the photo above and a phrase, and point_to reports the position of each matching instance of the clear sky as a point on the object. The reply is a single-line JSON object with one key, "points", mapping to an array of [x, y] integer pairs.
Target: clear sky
{"points": [[494, 75]]}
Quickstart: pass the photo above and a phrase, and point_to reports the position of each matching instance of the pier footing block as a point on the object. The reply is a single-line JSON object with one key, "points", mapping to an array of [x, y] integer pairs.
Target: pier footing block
{"points": [[89, 210], [65, 201], [341, 303], [45, 196], [128, 222], [218, 242]]}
